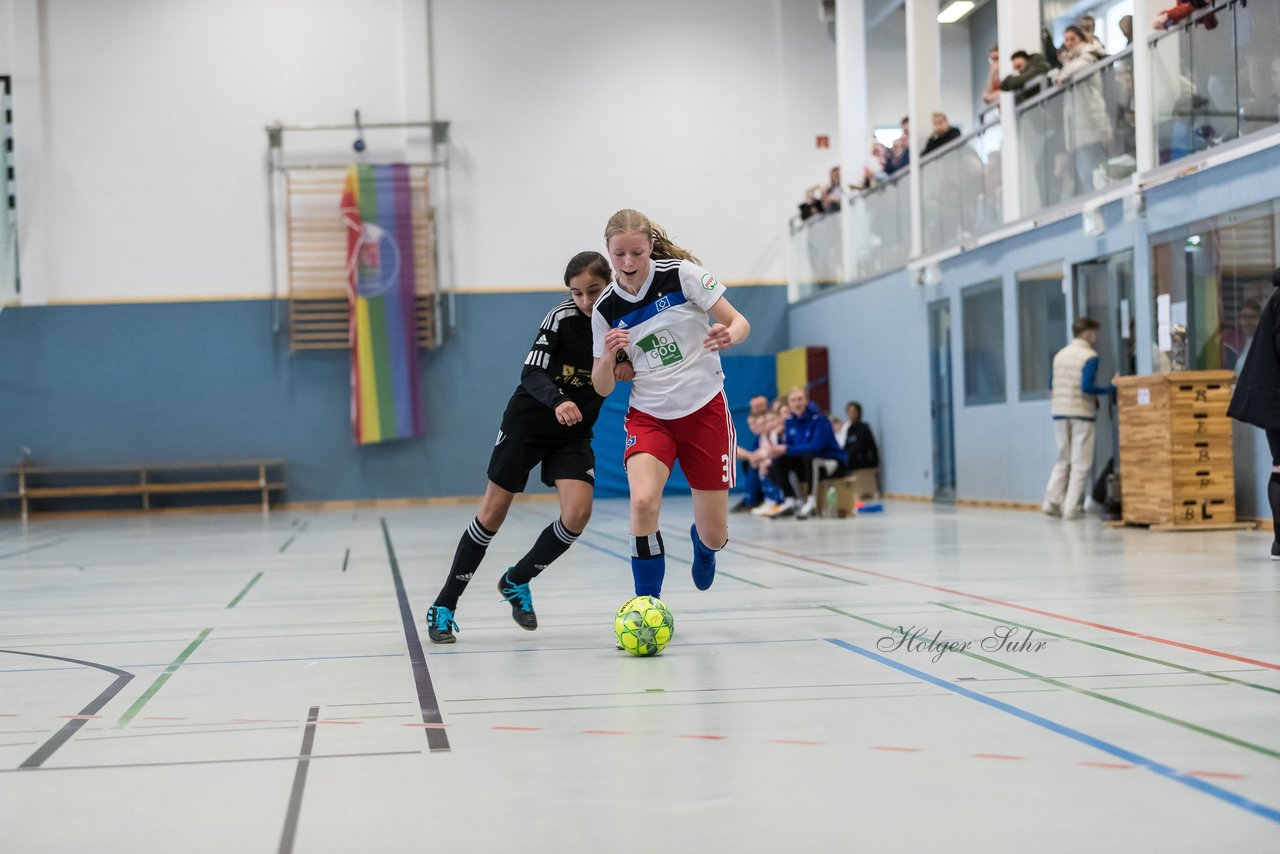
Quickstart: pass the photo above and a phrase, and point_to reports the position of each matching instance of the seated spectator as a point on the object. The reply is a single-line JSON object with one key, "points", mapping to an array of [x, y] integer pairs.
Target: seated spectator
{"points": [[991, 91], [900, 153], [757, 490], [808, 453], [856, 439], [1174, 15], [1026, 68], [943, 133]]}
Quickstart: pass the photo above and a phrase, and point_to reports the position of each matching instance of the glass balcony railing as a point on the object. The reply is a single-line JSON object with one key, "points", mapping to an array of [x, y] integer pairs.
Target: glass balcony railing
{"points": [[879, 221], [815, 254], [961, 189], [1215, 78], [1080, 136]]}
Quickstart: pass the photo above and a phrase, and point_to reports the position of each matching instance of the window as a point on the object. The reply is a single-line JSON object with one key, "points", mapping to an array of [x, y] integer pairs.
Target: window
{"points": [[983, 316], [1212, 279], [1042, 328]]}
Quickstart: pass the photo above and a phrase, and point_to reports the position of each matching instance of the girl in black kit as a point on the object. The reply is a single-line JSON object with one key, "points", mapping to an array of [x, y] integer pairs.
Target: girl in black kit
{"points": [[548, 421]]}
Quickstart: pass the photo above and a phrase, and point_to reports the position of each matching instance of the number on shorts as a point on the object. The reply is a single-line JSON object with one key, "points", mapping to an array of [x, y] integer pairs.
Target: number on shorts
{"points": [[724, 468]]}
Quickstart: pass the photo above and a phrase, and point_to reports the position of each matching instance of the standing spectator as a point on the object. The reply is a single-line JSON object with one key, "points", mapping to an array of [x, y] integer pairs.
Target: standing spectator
{"points": [[809, 452], [833, 195], [1183, 9], [991, 91], [1074, 410], [1087, 24], [1126, 27], [1026, 67], [900, 154], [943, 133], [1257, 397], [856, 439], [1085, 115]]}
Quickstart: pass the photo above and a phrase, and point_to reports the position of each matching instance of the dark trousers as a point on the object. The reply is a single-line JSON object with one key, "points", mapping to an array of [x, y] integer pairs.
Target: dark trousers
{"points": [[790, 473]]}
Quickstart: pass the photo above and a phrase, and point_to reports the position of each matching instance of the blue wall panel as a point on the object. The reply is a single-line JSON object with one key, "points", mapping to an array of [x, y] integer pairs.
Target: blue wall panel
{"points": [[196, 382]]}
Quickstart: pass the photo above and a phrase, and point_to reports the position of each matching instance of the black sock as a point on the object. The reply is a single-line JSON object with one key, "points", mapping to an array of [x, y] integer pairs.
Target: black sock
{"points": [[471, 550], [554, 541], [1273, 497]]}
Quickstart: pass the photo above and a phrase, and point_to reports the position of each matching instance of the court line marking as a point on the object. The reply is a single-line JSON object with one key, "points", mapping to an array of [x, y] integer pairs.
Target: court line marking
{"points": [[286, 543], [161, 679], [236, 601], [346, 557], [214, 761], [228, 661], [1113, 649], [33, 548], [1155, 638], [428, 705], [299, 783], [1058, 683], [1225, 795], [59, 738]]}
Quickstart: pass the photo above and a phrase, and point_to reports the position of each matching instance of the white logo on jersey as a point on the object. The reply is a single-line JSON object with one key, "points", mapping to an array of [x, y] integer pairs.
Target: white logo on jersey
{"points": [[542, 339], [622, 324], [591, 472], [466, 577], [501, 436]]}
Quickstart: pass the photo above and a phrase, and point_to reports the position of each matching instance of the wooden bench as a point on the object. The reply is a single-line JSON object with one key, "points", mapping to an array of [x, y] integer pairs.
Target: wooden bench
{"points": [[46, 482], [850, 489]]}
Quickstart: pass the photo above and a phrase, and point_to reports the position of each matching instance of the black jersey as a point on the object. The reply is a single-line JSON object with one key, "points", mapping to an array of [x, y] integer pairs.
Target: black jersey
{"points": [[558, 368]]}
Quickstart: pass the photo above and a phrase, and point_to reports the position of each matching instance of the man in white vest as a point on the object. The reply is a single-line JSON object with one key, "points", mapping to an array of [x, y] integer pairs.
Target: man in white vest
{"points": [[1074, 407]]}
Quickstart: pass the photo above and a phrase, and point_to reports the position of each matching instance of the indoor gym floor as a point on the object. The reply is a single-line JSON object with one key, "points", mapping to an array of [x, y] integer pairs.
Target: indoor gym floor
{"points": [[228, 683]]}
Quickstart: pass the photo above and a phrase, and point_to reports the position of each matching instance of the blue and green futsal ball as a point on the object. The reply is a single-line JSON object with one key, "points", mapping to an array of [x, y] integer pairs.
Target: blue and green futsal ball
{"points": [[644, 626]]}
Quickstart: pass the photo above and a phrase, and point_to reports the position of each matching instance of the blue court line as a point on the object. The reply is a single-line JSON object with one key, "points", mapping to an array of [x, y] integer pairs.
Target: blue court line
{"points": [[1196, 783], [207, 663]]}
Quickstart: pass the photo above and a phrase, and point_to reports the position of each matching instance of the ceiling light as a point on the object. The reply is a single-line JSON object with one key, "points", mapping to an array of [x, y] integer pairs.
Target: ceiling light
{"points": [[955, 11]]}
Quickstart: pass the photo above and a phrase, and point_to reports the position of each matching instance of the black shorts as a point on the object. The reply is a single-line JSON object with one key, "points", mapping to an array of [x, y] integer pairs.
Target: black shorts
{"points": [[514, 457]]}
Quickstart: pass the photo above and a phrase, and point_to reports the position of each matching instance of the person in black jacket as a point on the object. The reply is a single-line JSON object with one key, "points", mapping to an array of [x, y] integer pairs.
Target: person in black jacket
{"points": [[1257, 396], [547, 423], [855, 436]]}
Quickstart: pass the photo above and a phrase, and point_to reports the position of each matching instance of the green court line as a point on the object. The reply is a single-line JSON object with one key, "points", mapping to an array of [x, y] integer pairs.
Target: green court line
{"points": [[286, 543], [161, 679], [798, 568], [1049, 680], [1106, 648], [236, 601]]}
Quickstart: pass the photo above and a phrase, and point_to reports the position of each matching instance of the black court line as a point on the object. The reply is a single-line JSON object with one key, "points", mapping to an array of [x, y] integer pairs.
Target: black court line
{"points": [[216, 761], [346, 557], [437, 740], [33, 549], [59, 738], [299, 783]]}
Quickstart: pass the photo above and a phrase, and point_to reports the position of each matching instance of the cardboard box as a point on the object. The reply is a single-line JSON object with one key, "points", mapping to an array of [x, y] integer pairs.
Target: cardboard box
{"points": [[862, 485]]}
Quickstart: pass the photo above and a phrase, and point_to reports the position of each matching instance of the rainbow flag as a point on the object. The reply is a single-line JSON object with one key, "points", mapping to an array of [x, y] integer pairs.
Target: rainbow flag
{"points": [[386, 401]]}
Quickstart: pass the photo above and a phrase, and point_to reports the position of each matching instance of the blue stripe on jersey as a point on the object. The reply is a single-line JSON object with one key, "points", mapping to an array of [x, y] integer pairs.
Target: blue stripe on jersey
{"points": [[640, 315]]}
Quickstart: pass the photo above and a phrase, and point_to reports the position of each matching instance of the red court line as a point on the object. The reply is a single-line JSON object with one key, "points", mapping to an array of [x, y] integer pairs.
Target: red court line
{"points": [[705, 737], [1120, 765], [605, 732], [340, 722], [898, 749], [996, 756], [1217, 774], [427, 726], [1157, 639]]}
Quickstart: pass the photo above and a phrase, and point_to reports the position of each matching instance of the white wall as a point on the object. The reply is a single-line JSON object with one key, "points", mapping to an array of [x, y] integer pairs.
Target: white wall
{"points": [[143, 174]]}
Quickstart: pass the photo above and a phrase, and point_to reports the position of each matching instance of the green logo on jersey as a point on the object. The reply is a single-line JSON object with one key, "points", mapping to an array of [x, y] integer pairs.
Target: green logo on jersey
{"points": [[709, 282], [661, 349]]}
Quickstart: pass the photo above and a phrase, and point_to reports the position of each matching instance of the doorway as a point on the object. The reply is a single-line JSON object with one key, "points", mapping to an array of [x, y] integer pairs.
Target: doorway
{"points": [[1103, 290], [944, 450]]}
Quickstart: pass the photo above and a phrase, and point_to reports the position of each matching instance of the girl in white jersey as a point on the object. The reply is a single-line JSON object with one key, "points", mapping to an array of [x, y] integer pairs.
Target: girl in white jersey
{"points": [[671, 319]]}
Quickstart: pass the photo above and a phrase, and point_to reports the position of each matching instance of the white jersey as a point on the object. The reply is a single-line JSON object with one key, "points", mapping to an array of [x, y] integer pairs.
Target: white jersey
{"points": [[666, 322]]}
